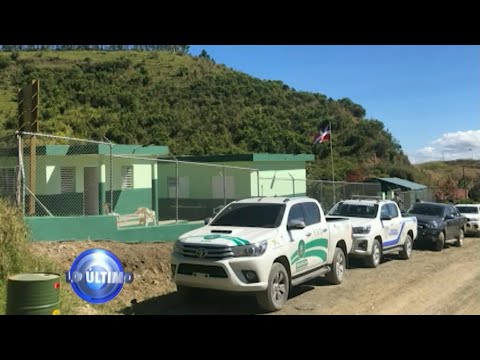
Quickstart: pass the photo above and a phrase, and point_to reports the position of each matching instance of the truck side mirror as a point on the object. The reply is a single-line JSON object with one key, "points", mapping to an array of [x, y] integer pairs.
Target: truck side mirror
{"points": [[296, 225], [207, 220], [449, 217]]}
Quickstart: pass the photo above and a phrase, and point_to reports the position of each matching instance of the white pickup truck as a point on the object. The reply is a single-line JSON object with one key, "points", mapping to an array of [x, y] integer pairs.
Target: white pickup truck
{"points": [[472, 213], [263, 246], [378, 228]]}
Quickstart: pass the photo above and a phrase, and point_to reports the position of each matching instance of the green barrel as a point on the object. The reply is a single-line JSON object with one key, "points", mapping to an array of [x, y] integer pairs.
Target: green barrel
{"points": [[33, 294]]}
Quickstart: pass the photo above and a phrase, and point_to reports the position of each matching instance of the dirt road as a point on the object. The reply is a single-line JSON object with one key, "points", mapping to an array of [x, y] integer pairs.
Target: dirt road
{"points": [[429, 283]]}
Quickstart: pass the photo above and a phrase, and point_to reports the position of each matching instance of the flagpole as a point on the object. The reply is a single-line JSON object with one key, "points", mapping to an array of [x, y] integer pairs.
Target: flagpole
{"points": [[333, 172]]}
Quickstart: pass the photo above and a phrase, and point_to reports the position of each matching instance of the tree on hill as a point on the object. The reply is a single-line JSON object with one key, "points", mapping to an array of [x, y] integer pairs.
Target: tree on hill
{"points": [[446, 191], [204, 55]]}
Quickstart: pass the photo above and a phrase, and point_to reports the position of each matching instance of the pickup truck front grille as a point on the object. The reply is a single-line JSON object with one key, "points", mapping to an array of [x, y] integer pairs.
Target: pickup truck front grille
{"points": [[199, 251], [211, 271]]}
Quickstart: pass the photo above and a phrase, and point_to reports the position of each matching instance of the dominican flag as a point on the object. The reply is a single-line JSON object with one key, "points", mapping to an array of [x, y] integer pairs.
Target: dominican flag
{"points": [[322, 136]]}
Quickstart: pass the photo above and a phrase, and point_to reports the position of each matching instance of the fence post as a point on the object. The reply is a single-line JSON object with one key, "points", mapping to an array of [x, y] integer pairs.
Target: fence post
{"points": [[101, 190], [155, 190], [321, 193], [258, 183], [176, 191], [18, 193], [293, 183], [111, 178], [224, 187]]}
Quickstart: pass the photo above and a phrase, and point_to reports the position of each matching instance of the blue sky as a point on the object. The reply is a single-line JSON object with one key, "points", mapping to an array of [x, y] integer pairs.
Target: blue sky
{"points": [[428, 97]]}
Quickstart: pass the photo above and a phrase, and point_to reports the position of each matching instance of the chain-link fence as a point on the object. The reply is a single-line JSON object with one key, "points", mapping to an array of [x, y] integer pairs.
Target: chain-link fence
{"points": [[410, 197], [75, 177], [328, 193], [189, 190], [9, 170], [59, 176], [65, 176]]}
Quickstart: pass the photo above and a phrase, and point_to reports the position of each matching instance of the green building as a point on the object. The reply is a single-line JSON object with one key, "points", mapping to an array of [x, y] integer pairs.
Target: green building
{"points": [[74, 180], [203, 188]]}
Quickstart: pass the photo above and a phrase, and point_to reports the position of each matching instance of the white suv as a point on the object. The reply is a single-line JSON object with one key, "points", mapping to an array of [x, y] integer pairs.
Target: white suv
{"points": [[472, 213]]}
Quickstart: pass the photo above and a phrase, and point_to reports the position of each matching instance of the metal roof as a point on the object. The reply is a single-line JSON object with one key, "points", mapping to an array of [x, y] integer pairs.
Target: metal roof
{"points": [[247, 157], [404, 183]]}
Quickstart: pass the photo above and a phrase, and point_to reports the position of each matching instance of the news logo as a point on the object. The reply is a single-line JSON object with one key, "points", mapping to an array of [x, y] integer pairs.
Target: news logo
{"points": [[97, 276]]}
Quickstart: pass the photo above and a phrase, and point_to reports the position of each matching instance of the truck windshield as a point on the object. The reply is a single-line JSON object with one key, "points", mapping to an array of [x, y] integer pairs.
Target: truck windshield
{"points": [[427, 209], [251, 215], [467, 209], [355, 210]]}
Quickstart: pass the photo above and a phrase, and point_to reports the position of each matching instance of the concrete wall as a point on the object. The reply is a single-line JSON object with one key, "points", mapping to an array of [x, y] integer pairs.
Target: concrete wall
{"points": [[101, 228]]}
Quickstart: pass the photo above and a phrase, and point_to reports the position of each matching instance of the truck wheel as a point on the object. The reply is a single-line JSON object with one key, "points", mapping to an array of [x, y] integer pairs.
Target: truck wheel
{"points": [[440, 243], [374, 259], [460, 238], [335, 276], [406, 252], [277, 292]]}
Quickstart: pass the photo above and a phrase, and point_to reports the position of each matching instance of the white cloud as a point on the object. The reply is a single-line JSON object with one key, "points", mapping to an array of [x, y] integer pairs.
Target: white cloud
{"points": [[449, 146]]}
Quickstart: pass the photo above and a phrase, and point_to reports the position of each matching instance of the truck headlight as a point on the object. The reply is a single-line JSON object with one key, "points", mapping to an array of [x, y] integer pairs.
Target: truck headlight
{"points": [[432, 225], [250, 250], [362, 229]]}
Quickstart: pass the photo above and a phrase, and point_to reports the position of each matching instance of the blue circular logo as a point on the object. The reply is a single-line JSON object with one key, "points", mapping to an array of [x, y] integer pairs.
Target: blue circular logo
{"points": [[97, 276]]}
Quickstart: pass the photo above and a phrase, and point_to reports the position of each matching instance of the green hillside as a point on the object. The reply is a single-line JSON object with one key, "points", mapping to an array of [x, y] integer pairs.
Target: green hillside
{"points": [[195, 106], [460, 172]]}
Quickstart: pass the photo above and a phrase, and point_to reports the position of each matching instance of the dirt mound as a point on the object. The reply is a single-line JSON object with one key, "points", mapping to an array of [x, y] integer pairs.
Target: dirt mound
{"points": [[150, 264]]}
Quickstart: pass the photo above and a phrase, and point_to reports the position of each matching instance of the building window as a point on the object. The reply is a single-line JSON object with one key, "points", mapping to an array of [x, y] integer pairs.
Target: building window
{"points": [[127, 177], [67, 180], [7, 181], [183, 187]]}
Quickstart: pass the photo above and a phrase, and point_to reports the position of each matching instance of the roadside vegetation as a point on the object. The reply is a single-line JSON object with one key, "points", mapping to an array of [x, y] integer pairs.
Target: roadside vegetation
{"points": [[16, 257]]}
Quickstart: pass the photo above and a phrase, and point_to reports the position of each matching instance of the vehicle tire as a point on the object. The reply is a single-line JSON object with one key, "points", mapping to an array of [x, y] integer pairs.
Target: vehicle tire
{"points": [[460, 238], [277, 291], [335, 276], [376, 256], [440, 243], [406, 252]]}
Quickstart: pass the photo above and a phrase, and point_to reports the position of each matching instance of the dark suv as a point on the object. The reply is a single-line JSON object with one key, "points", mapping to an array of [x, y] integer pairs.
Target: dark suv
{"points": [[438, 223]]}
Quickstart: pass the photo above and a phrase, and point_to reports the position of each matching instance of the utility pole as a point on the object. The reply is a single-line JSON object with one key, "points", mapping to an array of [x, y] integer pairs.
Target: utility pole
{"points": [[331, 154], [464, 183], [28, 113]]}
